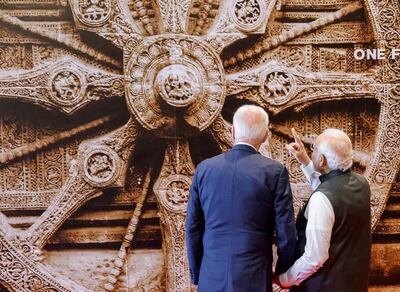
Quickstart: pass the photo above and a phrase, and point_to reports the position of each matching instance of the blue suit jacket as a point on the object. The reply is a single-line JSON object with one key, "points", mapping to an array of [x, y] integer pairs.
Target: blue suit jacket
{"points": [[236, 201]]}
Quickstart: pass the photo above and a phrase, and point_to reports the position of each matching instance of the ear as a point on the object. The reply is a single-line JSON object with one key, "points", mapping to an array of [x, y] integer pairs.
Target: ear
{"points": [[322, 163], [267, 135], [233, 132]]}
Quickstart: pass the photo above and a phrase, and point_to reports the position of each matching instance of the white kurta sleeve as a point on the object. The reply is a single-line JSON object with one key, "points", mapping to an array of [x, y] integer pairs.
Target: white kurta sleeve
{"points": [[312, 175], [320, 219]]}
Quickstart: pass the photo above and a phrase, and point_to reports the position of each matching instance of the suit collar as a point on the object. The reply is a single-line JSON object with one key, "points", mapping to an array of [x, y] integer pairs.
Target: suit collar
{"points": [[244, 147]]}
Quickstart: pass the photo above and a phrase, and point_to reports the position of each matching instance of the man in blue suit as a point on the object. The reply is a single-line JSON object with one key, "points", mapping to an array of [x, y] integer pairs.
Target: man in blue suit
{"points": [[237, 200]]}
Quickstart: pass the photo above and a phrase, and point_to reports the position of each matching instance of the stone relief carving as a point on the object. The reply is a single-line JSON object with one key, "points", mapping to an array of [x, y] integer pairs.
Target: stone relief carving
{"points": [[94, 12], [248, 14], [177, 80], [172, 191], [278, 87], [100, 166], [66, 87]]}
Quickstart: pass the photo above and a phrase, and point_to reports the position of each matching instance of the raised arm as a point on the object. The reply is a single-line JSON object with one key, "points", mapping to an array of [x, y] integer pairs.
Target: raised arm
{"points": [[299, 152]]}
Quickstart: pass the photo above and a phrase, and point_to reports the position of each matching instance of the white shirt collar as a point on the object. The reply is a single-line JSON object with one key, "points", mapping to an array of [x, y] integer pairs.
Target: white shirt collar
{"points": [[244, 143]]}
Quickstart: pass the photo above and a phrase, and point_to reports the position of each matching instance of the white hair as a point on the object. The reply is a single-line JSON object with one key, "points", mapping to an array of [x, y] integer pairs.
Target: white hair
{"points": [[250, 123], [336, 146]]}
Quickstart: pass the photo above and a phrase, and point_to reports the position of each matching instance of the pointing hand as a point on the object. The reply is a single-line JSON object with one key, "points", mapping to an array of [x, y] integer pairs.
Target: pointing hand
{"points": [[298, 150]]}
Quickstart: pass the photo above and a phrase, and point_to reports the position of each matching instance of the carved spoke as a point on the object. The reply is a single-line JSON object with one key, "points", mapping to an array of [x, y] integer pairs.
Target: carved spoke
{"points": [[172, 191], [273, 42], [126, 245], [11, 155], [66, 85], [221, 131], [385, 162], [108, 18], [278, 87], [174, 15], [101, 163], [74, 44], [236, 19]]}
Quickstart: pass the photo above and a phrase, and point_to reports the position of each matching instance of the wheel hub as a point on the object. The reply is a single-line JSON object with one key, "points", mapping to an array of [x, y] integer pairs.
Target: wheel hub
{"points": [[175, 81]]}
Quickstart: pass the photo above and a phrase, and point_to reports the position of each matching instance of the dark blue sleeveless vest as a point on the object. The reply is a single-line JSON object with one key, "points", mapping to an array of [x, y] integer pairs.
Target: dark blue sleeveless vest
{"points": [[350, 248]]}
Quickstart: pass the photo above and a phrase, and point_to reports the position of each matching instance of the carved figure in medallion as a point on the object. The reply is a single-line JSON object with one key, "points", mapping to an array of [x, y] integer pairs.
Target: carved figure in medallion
{"points": [[278, 84], [95, 10], [100, 166], [247, 11], [178, 192], [177, 85], [67, 88], [278, 87]]}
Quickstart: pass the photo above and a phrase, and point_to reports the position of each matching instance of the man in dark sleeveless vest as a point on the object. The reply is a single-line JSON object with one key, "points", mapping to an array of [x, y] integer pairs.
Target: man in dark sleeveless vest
{"points": [[334, 226]]}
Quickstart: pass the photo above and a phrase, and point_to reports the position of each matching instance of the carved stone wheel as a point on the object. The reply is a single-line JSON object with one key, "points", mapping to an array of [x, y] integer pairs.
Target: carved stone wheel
{"points": [[185, 67]]}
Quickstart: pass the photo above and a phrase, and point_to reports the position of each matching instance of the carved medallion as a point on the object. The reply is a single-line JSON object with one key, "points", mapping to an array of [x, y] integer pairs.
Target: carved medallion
{"points": [[248, 14], [178, 85], [278, 87], [100, 166], [175, 81], [94, 12], [67, 88], [174, 192]]}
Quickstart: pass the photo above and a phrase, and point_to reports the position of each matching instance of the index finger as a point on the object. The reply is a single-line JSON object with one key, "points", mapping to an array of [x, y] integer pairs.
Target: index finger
{"points": [[296, 137]]}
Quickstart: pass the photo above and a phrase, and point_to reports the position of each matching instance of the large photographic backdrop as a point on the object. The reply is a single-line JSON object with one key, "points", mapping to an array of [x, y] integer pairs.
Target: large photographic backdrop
{"points": [[107, 106]]}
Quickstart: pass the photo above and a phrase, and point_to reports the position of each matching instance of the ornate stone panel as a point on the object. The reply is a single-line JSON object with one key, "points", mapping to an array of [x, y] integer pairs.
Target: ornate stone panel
{"points": [[132, 94]]}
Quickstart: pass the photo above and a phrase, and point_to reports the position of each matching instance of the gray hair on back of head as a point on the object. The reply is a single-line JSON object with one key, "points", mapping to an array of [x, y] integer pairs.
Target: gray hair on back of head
{"points": [[251, 124], [336, 146]]}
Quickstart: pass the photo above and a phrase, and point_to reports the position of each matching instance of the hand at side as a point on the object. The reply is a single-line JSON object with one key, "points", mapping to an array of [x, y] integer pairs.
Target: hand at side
{"points": [[277, 281]]}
